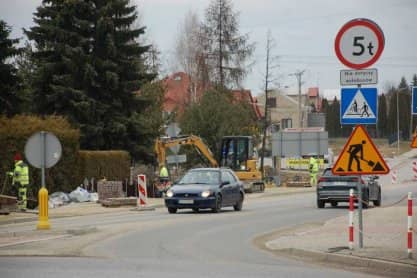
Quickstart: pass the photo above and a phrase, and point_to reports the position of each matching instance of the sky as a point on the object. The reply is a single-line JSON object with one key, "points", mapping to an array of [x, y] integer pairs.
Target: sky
{"points": [[304, 32]]}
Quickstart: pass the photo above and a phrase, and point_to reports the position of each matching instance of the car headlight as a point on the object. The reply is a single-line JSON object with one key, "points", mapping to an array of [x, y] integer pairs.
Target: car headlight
{"points": [[170, 193], [205, 194]]}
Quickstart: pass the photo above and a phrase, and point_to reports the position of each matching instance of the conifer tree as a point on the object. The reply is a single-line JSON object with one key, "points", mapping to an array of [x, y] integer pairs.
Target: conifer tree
{"points": [[9, 99], [90, 68]]}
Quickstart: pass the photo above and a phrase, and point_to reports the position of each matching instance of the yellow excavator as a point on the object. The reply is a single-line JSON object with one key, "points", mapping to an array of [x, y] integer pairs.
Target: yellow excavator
{"points": [[161, 144], [237, 153]]}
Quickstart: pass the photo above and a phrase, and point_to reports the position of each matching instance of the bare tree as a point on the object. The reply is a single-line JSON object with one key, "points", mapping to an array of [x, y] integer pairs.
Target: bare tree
{"points": [[270, 65], [225, 50], [188, 52]]}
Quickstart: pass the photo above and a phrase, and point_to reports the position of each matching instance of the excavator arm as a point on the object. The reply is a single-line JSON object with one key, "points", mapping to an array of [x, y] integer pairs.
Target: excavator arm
{"points": [[161, 144]]}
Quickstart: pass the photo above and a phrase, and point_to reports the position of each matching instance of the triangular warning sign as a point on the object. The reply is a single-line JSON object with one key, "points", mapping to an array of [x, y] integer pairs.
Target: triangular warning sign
{"points": [[360, 156], [359, 107], [414, 142]]}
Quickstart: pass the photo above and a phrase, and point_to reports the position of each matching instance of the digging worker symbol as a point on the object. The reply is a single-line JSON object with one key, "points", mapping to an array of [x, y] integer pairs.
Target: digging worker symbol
{"points": [[20, 180], [356, 153]]}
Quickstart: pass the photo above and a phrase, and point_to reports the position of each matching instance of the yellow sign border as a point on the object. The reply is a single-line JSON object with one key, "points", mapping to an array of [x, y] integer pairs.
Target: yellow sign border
{"points": [[381, 160]]}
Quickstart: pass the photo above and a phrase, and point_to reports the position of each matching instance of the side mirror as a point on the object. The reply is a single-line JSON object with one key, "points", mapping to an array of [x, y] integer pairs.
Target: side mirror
{"points": [[224, 183]]}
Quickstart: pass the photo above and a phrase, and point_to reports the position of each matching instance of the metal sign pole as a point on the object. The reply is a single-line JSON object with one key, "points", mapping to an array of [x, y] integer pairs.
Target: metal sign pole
{"points": [[43, 156], [360, 195]]}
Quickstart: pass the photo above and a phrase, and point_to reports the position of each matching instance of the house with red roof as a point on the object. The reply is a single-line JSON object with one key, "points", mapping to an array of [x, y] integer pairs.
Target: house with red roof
{"points": [[180, 92]]}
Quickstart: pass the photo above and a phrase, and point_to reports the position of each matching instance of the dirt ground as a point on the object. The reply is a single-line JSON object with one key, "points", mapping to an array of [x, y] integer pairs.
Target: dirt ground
{"points": [[386, 150]]}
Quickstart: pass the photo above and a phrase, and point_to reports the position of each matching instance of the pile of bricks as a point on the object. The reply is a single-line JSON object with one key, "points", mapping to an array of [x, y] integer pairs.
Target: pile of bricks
{"points": [[7, 204], [109, 189]]}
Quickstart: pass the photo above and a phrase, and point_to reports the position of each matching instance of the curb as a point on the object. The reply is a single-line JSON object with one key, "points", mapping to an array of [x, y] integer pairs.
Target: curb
{"points": [[378, 266], [35, 218]]}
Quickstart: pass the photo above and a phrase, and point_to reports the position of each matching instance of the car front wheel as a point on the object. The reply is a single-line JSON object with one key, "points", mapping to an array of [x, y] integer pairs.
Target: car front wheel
{"points": [[218, 205], [172, 210], [320, 203]]}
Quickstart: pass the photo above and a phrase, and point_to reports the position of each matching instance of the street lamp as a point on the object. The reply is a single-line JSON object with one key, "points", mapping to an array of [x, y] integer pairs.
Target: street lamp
{"points": [[398, 118], [299, 75]]}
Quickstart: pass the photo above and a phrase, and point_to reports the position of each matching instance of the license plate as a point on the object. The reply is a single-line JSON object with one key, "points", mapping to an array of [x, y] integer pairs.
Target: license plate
{"points": [[185, 201], [339, 183]]}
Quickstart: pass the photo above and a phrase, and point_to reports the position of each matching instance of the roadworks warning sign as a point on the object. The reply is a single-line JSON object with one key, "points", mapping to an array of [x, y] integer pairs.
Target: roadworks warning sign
{"points": [[360, 156], [414, 142]]}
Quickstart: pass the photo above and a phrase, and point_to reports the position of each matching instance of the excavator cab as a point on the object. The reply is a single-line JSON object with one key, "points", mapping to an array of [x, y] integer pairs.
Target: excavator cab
{"points": [[237, 153]]}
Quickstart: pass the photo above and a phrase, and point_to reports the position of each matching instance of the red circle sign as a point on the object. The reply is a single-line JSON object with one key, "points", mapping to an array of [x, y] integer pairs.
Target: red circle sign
{"points": [[359, 43]]}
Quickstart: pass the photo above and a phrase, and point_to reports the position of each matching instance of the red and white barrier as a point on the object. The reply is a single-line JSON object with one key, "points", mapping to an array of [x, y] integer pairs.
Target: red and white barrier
{"points": [[415, 169], [394, 176], [142, 200], [351, 210], [410, 226]]}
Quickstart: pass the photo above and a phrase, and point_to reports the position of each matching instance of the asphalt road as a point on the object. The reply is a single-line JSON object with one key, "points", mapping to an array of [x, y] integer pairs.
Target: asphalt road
{"points": [[187, 244]]}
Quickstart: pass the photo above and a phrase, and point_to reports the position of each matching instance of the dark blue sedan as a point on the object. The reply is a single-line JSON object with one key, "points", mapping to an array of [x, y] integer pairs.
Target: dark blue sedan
{"points": [[206, 188]]}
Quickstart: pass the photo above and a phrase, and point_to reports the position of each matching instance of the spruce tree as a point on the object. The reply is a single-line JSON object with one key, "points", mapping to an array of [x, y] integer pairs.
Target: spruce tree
{"points": [[90, 68], [10, 102], [225, 50]]}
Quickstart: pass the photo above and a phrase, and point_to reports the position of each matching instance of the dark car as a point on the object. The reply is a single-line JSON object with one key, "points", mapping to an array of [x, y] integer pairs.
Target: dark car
{"points": [[206, 188], [334, 189]]}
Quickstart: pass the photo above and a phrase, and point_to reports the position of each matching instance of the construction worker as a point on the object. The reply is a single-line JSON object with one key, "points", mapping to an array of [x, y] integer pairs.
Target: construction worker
{"points": [[314, 169], [163, 174], [20, 181]]}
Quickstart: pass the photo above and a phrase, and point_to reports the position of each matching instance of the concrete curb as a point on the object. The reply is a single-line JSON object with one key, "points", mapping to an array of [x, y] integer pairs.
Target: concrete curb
{"points": [[377, 266], [35, 218]]}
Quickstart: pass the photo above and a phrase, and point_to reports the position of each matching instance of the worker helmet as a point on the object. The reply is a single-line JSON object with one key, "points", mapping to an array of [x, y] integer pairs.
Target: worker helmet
{"points": [[17, 157]]}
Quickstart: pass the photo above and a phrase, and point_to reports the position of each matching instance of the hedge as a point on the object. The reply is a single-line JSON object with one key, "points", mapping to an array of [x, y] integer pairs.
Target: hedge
{"points": [[14, 132], [74, 165], [112, 165]]}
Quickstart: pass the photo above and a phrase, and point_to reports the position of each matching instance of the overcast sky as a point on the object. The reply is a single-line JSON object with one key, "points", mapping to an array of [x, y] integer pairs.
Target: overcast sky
{"points": [[304, 31]]}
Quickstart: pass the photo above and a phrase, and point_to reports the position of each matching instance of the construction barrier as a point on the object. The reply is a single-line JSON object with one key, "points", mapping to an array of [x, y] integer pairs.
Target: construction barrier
{"points": [[142, 200], [394, 176], [410, 226], [351, 209], [415, 169]]}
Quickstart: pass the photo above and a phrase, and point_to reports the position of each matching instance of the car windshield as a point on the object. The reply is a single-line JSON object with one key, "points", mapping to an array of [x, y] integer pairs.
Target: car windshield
{"points": [[200, 177]]}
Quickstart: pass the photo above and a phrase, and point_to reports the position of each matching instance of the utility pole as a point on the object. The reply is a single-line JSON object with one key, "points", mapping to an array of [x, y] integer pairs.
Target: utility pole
{"points": [[269, 67], [298, 74]]}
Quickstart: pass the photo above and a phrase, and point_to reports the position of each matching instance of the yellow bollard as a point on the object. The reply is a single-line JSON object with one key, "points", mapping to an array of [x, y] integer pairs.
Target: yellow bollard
{"points": [[43, 223]]}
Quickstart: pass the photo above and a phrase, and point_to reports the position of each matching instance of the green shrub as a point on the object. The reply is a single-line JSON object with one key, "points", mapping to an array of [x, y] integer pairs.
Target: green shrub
{"points": [[14, 132], [112, 165]]}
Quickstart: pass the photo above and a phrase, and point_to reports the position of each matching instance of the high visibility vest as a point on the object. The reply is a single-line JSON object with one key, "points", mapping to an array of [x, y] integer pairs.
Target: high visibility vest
{"points": [[164, 172], [21, 173], [314, 165]]}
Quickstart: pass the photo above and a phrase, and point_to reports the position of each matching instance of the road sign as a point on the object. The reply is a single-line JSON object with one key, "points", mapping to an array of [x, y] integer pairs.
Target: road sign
{"points": [[414, 142], [173, 130], [358, 77], [358, 106], [43, 149], [179, 158], [414, 101], [360, 156], [359, 43]]}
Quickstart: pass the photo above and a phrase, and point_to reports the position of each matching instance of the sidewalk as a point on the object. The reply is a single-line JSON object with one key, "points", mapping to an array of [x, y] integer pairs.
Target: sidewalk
{"points": [[384, 238], [385, 246]]}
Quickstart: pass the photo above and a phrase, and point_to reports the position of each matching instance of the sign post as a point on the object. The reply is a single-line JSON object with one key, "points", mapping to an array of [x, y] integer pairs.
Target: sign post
{"points": [[43, 150], [358, 45]]}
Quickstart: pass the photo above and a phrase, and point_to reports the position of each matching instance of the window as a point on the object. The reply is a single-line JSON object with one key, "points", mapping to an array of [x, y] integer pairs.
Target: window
{"points": [[271, 102], [286, 123], [227, 177]]}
